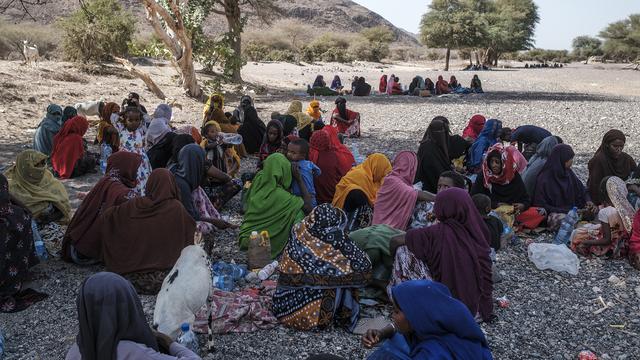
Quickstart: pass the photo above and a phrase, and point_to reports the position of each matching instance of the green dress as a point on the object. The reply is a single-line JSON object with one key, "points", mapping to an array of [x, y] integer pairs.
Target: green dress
{"points": [[270, 206]]}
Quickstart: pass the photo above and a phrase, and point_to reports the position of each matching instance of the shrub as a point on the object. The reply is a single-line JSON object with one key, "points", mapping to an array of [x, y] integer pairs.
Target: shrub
{"points": [[150, 47], [435, 55], [12, 35], [98, 31]]}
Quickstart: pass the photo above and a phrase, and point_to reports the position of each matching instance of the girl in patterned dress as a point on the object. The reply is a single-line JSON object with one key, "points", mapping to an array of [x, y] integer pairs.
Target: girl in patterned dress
{"points": [[133, 130]]}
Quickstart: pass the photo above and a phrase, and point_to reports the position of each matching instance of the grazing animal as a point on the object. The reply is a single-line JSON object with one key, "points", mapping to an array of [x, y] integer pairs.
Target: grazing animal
{"points": [[89, 108], [184, 291], [31, 54]]}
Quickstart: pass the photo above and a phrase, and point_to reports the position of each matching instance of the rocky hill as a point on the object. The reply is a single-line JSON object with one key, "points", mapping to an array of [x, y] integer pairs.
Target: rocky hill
{"points": [[336, 15]]}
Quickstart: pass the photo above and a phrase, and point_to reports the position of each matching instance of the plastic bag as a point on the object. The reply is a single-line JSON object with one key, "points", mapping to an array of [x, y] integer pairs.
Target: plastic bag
{"points": [[555, 257]]}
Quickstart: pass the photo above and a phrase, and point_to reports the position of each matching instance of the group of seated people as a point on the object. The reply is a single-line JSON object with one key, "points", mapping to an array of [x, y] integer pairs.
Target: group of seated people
{"points": [[426, 87], [425, 225], [359, 87]]}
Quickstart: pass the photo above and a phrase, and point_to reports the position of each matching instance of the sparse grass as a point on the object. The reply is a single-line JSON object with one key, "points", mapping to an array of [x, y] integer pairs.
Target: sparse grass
{"points": [[44, 36]]}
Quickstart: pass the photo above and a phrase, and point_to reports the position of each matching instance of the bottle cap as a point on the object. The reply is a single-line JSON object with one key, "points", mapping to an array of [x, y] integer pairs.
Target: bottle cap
{"points": [[254, 233], [184, 327]]}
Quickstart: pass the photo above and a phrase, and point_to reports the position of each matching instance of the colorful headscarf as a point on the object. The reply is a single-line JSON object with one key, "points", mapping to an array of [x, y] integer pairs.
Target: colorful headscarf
{"points": [[366, 177], [295, 110], [314, 110], [68, 146], [396, 198], [474, 127], [47, 129], [509, 165]]}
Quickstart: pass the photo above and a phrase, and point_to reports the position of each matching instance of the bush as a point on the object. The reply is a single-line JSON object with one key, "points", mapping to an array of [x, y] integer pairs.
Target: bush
{"points": [[97, 32], [435, 55], [149, 47], [12, 35]]}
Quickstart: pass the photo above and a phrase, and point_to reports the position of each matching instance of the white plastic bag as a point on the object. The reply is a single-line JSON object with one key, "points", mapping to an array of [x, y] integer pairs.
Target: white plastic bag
{"points": [[554, 257]]}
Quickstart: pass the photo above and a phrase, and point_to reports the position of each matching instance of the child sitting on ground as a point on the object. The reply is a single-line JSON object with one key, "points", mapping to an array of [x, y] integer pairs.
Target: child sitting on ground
{"points": [[298, 153], [223, 156], [483, 204]]}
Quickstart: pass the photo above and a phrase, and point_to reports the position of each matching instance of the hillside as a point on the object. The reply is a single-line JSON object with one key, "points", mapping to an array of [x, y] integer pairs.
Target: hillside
{"points": [[334, 15]]}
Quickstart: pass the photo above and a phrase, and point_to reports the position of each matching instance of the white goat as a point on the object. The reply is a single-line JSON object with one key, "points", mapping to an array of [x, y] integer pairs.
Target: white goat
{"points": [[31, 54], [89, 108], [184, 291]]}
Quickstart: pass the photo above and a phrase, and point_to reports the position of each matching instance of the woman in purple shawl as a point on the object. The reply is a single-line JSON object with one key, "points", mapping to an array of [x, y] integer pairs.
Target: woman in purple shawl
{"points": [[456, 250], [558, 189]]}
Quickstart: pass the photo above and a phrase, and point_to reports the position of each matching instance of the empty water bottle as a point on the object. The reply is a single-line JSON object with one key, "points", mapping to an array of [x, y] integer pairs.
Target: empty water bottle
{"points": [[566, 228], [41, 250], [188, 339], [231, 139], [235, 271], [223, 282], [105, 152], [267, 271]]}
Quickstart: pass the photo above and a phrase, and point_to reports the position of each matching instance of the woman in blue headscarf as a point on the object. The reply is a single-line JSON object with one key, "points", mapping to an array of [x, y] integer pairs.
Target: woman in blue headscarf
{"points": [[436, 327], [487, 138], [48, 128]]}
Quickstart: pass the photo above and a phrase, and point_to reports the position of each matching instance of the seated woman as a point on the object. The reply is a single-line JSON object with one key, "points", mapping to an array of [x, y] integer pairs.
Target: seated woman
{"points": [[272, 141], [476, 85], [445, 329], [159, 138], [356, 193], [18, 253], [537, 162], [35, 187], [314, 111], [107, 133], [382, 87], [456, 251], [396, 87], [433, 154], [304, 126], [609, 160], [47, 129], [430, 86], [453, 83], [189, 170], [414, 86], [69, 157], [252, 128], [333, 159], [610, 237], [501, 182], [487, 138], [336, 84], [70, 112], [361, 87], [318, 289], [473, 128], [143, 237], [558, 189], [320, 88], [112, 324], [347, 121], [270, 206], [82, 242], [222, 163], [442, 87], [397, 198]]}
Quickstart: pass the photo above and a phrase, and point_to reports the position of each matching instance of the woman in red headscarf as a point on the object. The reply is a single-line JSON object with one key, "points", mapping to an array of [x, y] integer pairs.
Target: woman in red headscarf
{"points": [[474, 127], [383, 84], [69, 156], [442, 87], [333, 159]]}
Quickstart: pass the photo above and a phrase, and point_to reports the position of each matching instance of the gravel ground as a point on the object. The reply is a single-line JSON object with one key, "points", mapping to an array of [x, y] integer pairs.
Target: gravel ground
{"points": [[551, 315]]}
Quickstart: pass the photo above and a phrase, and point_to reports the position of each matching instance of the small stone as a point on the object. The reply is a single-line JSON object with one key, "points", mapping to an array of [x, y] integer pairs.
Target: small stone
{"points": [[614, 279], [32, 99]]}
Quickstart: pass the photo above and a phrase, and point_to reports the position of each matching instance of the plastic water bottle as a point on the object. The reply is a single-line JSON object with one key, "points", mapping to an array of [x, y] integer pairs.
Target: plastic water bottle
{"points": [[105, 152], [237, 272], [188, 339], [231, 139], [566, 228], [267, 271], [356, 154], [223, 282], [41, 250]]}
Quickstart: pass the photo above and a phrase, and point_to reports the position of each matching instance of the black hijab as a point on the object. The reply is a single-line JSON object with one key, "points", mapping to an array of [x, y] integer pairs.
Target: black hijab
{"points": [[341, 105], [190, 165], [160, 153], [110, 311], [433, 154], [252, 128]]}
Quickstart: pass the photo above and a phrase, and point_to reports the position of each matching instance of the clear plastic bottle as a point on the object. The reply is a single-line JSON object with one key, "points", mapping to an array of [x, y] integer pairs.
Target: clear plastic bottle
{"points": [[188, 339], [223, 282], [356, 154], [105, 152], [231, 139], [267, 271], [566, 228], [40, 249]]}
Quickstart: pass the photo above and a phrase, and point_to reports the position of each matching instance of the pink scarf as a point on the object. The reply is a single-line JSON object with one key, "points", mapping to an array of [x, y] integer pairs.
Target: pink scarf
{"points": [[397, 197]]}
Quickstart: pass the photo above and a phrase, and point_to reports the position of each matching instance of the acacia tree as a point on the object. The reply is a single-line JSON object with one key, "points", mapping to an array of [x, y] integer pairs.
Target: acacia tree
{"points": [[586, 46], [622, 39], [450, 24]]}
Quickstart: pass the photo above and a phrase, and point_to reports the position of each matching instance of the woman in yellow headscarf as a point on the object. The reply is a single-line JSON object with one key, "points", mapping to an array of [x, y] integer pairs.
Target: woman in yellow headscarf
{"points": [[35, 187], [214, 111], [304, 120], [314, 110], [357, 191]]}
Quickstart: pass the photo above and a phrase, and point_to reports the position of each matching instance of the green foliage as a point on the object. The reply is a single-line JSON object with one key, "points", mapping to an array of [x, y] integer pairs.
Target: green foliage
{"points": [[586, 46], [153, 48], [97, 31], [542, 55], [622, 39], [12, 35], [451, 24], [374, 45], [327, 47]]}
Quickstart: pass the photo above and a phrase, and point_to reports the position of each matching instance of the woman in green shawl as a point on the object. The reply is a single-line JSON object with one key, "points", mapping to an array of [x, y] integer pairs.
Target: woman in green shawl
{"points": [[270, 206], [34, 186]]}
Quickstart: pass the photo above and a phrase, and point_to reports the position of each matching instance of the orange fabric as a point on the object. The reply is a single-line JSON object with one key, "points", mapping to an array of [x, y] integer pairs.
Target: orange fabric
{"points": [[367, 177]]}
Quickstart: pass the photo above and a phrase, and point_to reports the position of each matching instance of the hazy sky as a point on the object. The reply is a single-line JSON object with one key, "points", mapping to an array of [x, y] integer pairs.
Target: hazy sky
{"points": [[560, 20]]}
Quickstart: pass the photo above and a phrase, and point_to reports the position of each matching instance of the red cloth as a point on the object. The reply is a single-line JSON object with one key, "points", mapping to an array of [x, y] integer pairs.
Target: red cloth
{"points": [[333, 159], [531, 218], [342, 126], [509, 166], [474, 127], [634, 241], [383, 84], [68, 147]]}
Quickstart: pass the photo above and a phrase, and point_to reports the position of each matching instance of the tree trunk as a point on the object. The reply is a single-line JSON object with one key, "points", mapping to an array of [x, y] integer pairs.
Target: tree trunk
{"points": [[175, 37], [448, 56], [155, 89], [477, 58], [234, 22]]}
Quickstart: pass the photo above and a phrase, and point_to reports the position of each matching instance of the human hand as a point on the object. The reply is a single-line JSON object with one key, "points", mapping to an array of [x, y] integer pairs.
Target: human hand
{"points": [[371, 338], [164, 341], [518, 208]]}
